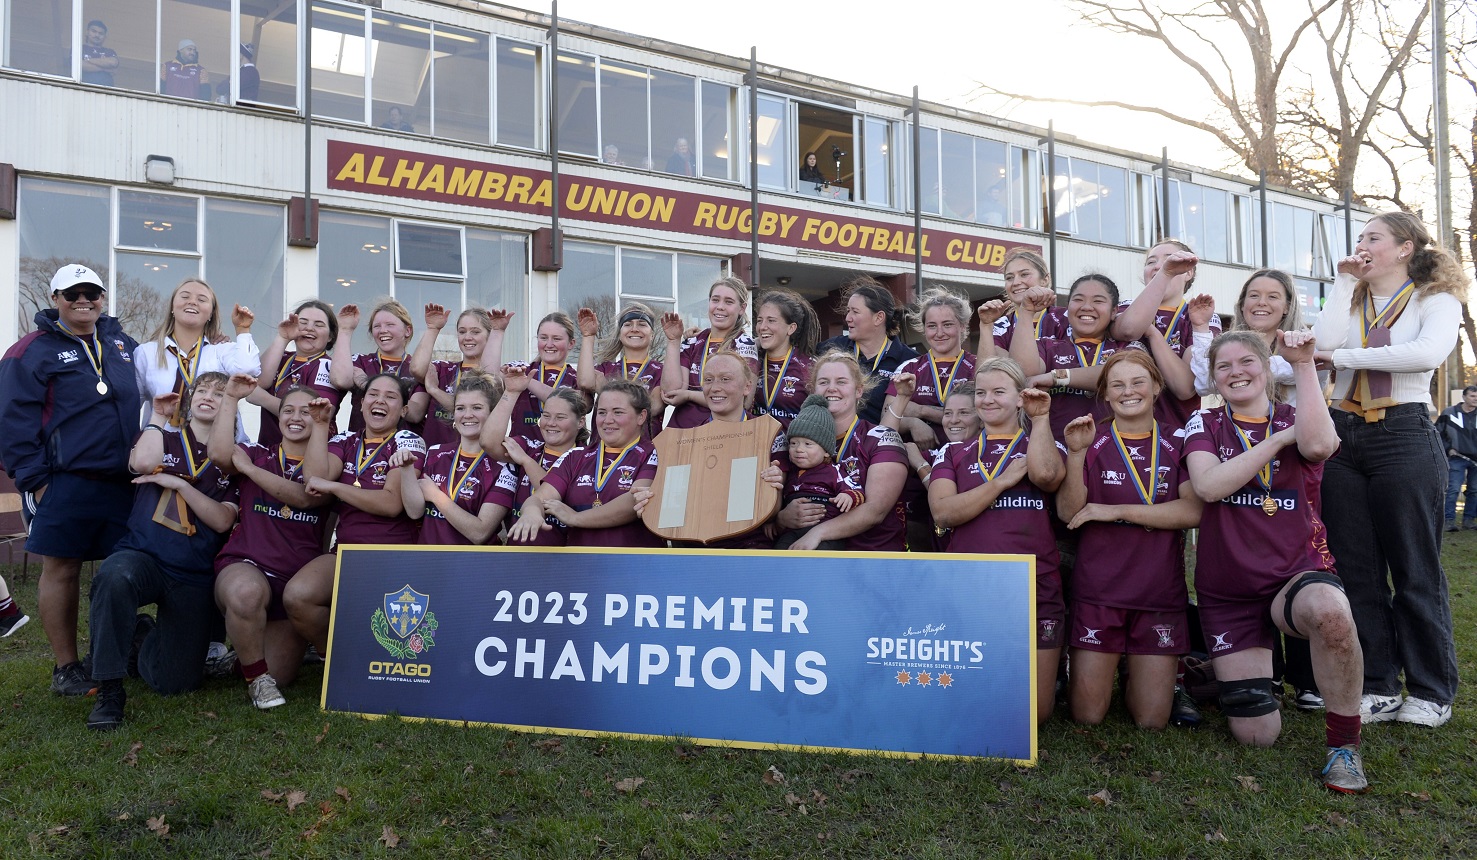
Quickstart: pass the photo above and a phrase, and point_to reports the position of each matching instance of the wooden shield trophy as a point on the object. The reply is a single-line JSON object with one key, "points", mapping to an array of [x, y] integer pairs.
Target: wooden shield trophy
{"points": [[707, 485]]}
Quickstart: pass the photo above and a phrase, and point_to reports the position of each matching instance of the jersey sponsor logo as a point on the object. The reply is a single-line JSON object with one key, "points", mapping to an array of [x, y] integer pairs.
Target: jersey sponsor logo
{"points": [[1165, 633], [68, 356], [406, 627], [1196, 424], [929, 657], [170, 460], [585, 481], [1116, 479], [1286, 500], [123, 351], [286, 512], [1222, 642], [322, 378], [1020, 500], [1090, 636], [886, 436], [1046, 629]]}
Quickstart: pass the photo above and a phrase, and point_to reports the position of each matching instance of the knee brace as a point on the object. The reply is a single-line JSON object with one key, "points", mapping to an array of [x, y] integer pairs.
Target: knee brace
{"points": [[1312, 577], [1251, 697]]}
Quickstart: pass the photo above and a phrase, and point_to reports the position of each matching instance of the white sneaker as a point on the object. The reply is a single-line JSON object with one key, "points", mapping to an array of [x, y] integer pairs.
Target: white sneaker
{"points": [[264, 693], [1378, 709], [1423, 713]]}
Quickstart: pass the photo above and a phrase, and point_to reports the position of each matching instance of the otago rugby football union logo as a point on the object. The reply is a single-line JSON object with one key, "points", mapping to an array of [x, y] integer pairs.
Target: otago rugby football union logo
{"points": [[405, 625]]}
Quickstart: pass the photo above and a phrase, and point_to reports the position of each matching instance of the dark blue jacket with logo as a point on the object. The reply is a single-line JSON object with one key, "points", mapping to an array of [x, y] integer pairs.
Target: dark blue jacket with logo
{"points": [[52, 418]]}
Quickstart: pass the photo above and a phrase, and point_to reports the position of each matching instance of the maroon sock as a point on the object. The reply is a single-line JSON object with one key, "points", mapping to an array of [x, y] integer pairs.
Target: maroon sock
{"points": [[252, 671], [1342, 731], [8, 607]]}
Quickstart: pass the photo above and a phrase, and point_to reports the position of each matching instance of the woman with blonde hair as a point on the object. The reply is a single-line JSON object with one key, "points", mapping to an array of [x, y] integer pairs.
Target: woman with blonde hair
{"points": [[1390, 322], [682, 378], [627, 355], [390, 331]]}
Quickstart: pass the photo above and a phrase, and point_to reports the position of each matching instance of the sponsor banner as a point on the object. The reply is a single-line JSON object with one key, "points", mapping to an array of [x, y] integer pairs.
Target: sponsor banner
{"points": [[760, 649], [421, 176]]}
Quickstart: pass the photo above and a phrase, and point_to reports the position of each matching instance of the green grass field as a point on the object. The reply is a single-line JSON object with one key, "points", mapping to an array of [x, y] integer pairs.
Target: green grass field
{"points": [[207, 776]]}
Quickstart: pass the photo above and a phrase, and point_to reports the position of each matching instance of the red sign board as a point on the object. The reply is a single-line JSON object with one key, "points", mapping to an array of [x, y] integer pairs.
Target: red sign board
{"points": [[420, 176]]}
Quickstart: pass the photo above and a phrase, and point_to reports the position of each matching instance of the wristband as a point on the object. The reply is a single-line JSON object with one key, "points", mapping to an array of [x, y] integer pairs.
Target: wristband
{"points": [[152, 426], [894, 413]]}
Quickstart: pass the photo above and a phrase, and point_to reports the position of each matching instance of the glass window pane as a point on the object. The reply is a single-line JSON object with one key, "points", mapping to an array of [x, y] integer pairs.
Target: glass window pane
{"points": [[578, 129], [624, 115], [400, 73], [1085, 193], [269, 74], [1112, 205], [695, 275], [40, 36], [166, 221], [588, 276], [355, 263], [59, 223], [1061, 185], [673, 108], [928, 190], [337, 50], [117, 44], [497, 277], [462, 70], [415, 294], [877, 162], [1284, 245], [517, 94], [428, 249], [956, 153], [774, 147], [1192, 215], [143, 283], [1302, 232], [1025, 188], [718, 125], [244, 247], [195, 50], [1145, 208], [989, 175], [646, 273], [1217, 231], [1246, 247]]}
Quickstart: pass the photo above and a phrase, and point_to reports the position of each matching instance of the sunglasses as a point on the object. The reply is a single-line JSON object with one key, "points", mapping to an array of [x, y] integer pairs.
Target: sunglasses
{"points": [[90, 293]]}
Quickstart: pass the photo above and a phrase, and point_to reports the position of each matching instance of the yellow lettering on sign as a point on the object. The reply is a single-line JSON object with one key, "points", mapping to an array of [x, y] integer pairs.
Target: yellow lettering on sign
{"points": [[493, 185], [353, 169], [374, 177], [464, 182], [435, 180], [408, 172], [704, 215]]}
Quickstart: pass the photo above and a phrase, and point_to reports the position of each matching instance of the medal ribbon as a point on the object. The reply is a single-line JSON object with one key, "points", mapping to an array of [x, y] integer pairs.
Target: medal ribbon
{"points": [[990, 474], [1370, 393], [292, 366], [94, 355], [941, 388], [1097, 356], [1368, 319], [640, 371], [189, 446], [453, 480], [1171, 331], [846, 441], [604, 473], [360, 460], [1264, 474], [770, 393], [386, 360], [543, 372], [189, 367], [1145, 495], [172, 512], [297, 467], [857, 348]]}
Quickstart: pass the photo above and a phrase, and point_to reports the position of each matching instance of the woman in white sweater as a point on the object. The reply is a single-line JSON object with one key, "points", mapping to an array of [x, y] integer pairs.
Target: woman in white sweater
{"points": [[1391, 320]]}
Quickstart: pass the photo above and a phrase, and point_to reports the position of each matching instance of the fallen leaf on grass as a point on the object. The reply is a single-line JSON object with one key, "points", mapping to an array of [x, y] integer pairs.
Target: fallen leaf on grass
{"points": [[1156, 777], [389, 837], [629, 784], [1405, 810], [1335, 818], [851, 776], [1217, 836], [791, 799], [131, 758], [123, 816], [1103, 797], [59, 830], [210, 741], [773, 776], [819, 798], [158, 826], [822, 837], [296, 799], [268, 794], [210, 715], [342, 792], [1249, 783], [326, 807], [1418, 795], [321, 735], [549, 745], [467, 771], [687, 816], [510, 771], [586, 793]]}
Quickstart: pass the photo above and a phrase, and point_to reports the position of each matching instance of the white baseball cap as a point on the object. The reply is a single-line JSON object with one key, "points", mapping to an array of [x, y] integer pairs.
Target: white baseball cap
{"points": [[73, 274]]}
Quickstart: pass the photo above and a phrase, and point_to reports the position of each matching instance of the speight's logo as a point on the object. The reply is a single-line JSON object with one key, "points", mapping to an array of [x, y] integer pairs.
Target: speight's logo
{"points": [[405, 625]]}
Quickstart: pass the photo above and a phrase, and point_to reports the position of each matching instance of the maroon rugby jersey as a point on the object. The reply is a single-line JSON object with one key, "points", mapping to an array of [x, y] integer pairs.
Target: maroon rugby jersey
{"points": [[273, 535], [780, 390], [1051, 323], [858, 449], [471, 488], [1124, 565], [695, 352], [573, 476], [1069, 403], [311, 374], [527, 408], [820, 484], [366, 465], [648, 374], [437, 428], [373, 363], [1245, 554], [1175, 325], [513, 489], [931, 391]]}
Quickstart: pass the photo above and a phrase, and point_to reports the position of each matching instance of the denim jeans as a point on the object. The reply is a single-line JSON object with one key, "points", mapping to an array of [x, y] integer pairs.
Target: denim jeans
{"points": [[172, 658], [1461, 471], [1382, 495]]}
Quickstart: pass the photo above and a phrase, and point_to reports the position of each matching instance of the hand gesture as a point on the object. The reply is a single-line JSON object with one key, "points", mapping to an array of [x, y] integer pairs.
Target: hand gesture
{"points": [[1355, 264], [435, 316], [990, 312], [558, 510], [166, 405], [500, 318], [672, 327], [843, 502], [1200, 309], [348, 318], [401, 459], [515, 378], [1092, 513], [589, 323], [163, 479], [529, 523], [317, 486], [1297, 347], [432, 492], [906, 384], [1038, 299], [242, 318], [1036, 402], [1013, 473], [241, 462], [773, 475], [641, 495], [321, 410], [1079, 433], [240, 385], [288, 328], [1179, 263]]}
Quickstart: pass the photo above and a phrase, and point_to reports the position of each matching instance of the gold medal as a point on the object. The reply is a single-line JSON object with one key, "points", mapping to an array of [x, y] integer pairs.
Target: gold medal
{"points": [[102, 388], [1269, 505], [597, 502]]}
